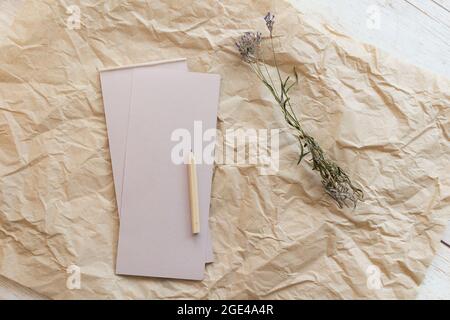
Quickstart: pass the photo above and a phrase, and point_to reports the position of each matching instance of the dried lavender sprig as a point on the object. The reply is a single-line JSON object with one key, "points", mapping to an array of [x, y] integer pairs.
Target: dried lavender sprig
{"points": [[270, 20], [248, 45], [335, 181]]}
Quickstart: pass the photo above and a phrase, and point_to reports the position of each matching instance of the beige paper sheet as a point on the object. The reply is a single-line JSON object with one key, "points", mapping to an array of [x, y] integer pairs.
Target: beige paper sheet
{"points": [[274, 236]]}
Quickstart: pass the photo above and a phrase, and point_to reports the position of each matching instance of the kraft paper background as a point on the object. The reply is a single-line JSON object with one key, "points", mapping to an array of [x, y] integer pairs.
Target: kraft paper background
{"points": [[276, 236]]}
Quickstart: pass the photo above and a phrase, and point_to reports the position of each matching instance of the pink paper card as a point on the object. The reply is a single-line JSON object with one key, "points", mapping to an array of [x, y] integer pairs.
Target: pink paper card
{"points": [[116, 90], [155, 237]]}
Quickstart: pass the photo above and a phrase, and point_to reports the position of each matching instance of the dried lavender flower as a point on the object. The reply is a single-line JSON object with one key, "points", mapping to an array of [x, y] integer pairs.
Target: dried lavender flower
{"points": [[335, 181], [270, 20], [248, 45]]}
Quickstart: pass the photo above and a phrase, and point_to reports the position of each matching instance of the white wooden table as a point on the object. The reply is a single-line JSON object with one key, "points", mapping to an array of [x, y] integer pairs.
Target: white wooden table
{"points": [[417, 31]]}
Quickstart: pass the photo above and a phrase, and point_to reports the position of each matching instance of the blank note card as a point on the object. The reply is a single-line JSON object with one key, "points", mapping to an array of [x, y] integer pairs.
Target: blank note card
{"points": [[155, 237]]}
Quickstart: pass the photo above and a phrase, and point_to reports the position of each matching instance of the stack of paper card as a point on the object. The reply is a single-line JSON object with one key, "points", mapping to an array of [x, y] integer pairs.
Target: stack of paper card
{"points": [[154, 114]]}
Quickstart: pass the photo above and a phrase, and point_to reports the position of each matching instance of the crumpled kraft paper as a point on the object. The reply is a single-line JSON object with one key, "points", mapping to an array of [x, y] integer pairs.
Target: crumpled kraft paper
{"points": [[275, 236]]}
